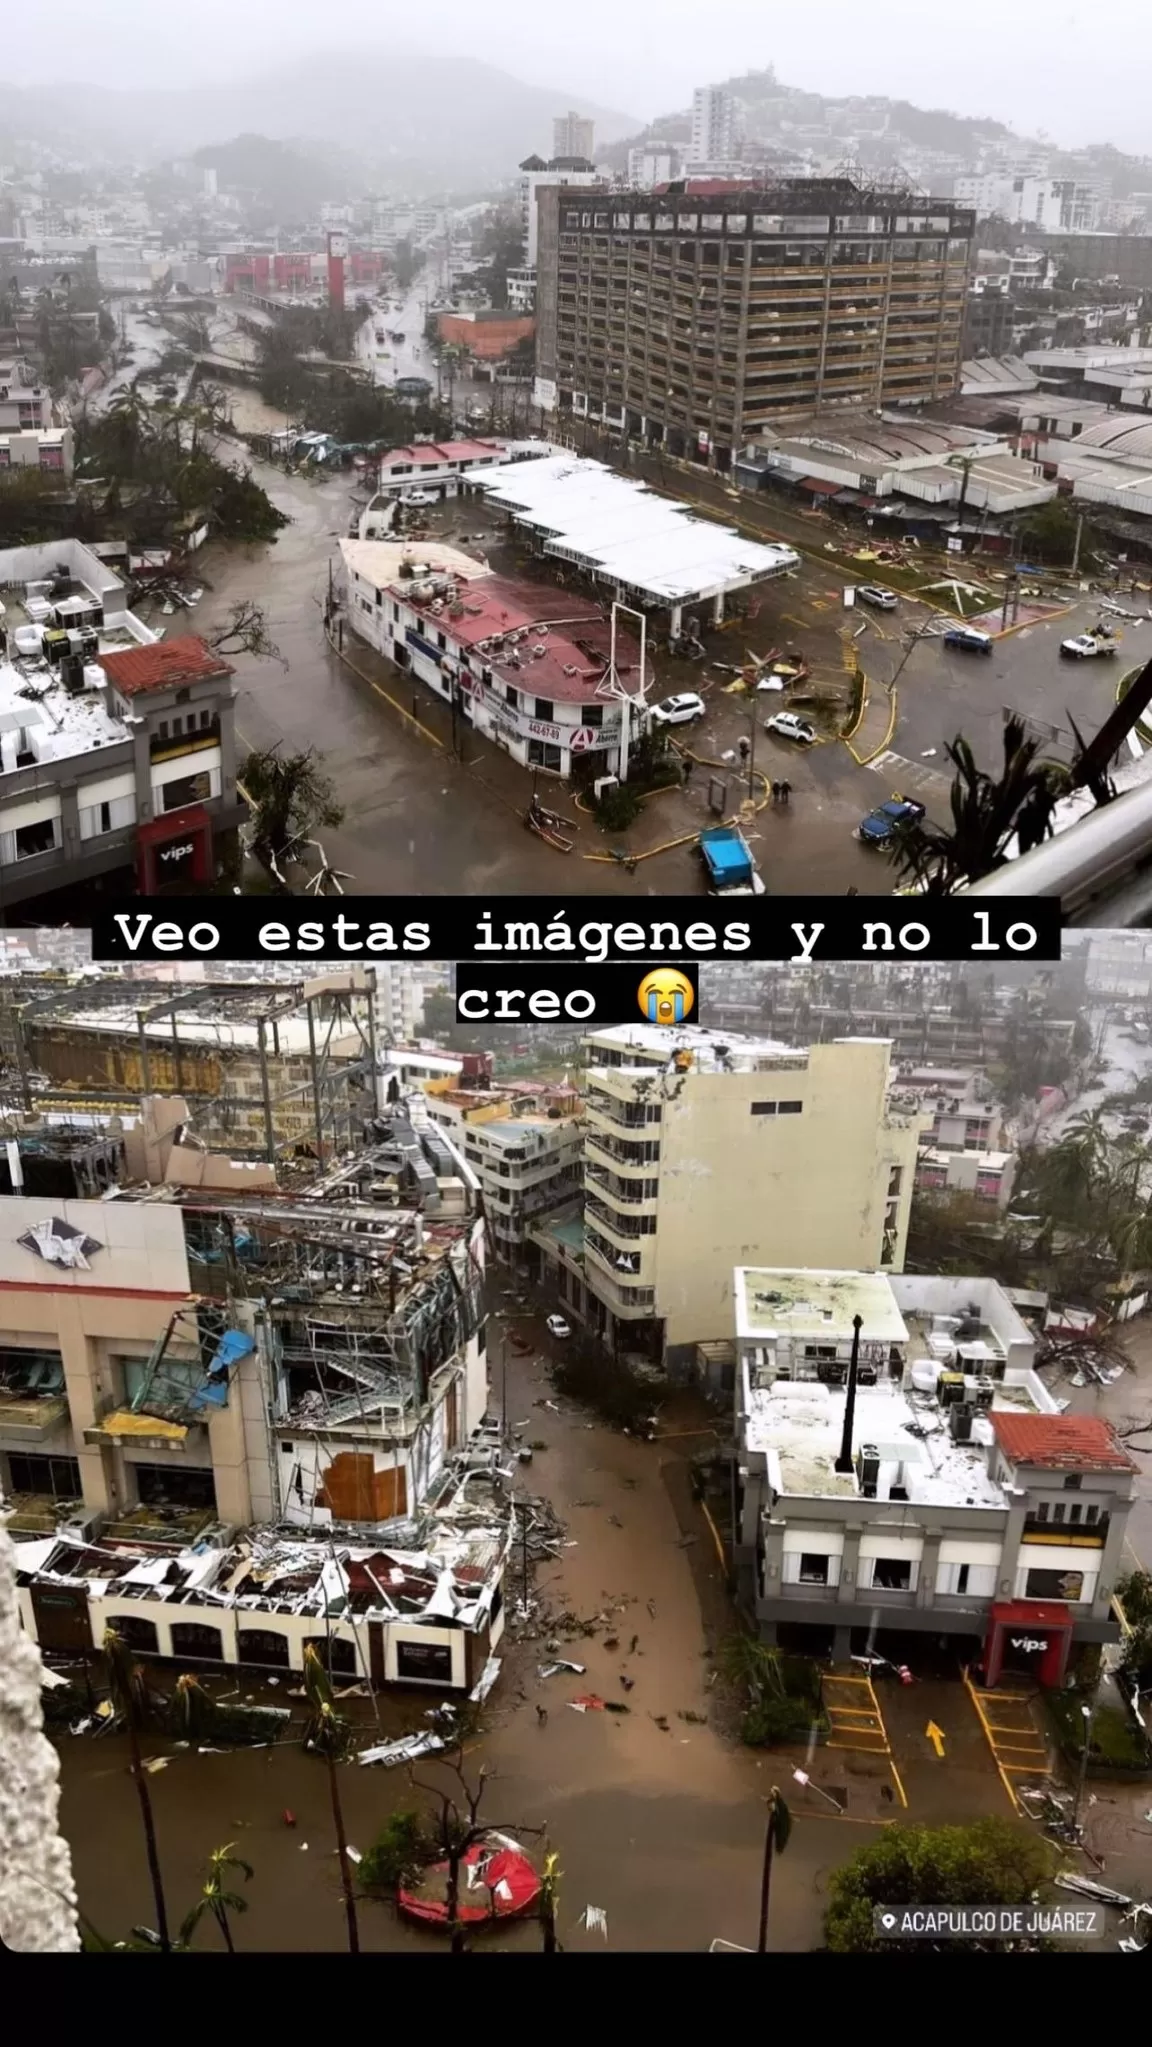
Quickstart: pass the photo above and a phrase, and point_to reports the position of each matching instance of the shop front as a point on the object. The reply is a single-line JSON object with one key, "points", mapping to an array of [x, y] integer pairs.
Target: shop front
{"points": [[1028, 1638], [174, 852]]}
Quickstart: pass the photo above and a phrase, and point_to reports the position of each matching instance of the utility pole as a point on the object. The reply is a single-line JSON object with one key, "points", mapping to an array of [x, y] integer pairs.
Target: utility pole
{"points": [[1076, 547], [752, 746], [1089, 1713]]}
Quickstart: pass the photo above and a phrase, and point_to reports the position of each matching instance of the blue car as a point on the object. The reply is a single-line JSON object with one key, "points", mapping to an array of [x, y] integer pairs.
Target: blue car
{"points": [[881, 825]]}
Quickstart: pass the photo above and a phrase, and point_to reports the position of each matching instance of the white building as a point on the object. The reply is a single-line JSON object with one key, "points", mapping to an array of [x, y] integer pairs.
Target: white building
{"points": [[535, 173], [652, 163], [954, 1500], [713, 126], [572, 135]]}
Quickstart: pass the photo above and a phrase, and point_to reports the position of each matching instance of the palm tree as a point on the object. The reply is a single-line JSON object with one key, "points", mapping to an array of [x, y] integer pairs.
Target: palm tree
{"points": [[328, 1735], [129, 1696], [549, 1894], [215, 1899], [989, 812]]}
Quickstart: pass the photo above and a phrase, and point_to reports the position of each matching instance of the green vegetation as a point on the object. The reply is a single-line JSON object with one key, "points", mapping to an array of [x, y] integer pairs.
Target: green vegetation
{"points": [[400, 1851], [1116, 1743], [291, 798], [608, 1385], [993, 1862], [148, 470], [216, 1900], [1088, 1189], [780, 1693], [989, 812]]}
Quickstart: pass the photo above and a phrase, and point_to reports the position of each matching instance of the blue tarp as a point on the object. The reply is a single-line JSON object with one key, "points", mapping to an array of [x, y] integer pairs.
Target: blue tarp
{"points": [[233, 1346], [726, 853]]}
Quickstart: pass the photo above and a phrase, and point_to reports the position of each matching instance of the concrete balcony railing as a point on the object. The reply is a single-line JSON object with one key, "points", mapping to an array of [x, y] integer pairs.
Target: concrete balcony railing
{"points": [[1100, 867]]}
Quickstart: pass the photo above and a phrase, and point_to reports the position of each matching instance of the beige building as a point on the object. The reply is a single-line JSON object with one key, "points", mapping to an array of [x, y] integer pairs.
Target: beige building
{"points": [[526, 1147], [705, 1149], [229, 1342]]}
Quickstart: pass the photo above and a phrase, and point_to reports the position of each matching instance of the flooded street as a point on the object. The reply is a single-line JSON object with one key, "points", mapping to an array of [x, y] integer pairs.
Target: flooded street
{"points": [[663, 1830]]}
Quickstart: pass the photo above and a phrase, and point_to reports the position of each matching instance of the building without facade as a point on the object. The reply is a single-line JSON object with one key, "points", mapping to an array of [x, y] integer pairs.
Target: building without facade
{"points": [[525, 1145], [963, 1504], [299, 1348], [118, 750], [263, 1068], [698, 320], [696, 1143]]}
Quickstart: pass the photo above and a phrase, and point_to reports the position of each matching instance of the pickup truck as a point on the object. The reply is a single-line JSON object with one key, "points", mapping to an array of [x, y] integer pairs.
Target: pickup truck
{"points": [[728, 862]]}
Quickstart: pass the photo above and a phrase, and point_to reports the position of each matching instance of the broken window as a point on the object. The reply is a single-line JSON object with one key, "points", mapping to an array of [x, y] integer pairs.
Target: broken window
{"points": [[1054, 1585], [30, 839], [426, 1662], [337, 1655], [136, 1633], [813, 1569], [265, 1647], [892, 1574], [192, 1642], [59, 1477], [164, 1485]]}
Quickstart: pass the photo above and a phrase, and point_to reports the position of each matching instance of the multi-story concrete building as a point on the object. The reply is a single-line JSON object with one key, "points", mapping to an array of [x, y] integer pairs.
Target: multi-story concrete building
{"points": [[652, 163], [228, 1343], [952, 1500], [572, 135], [699, 320], [536, 175], [958, 1108], [23, 402], [713, 127], [989, 1175], [118, 750], [698, 1142], [48, 449], [525, 1145]]}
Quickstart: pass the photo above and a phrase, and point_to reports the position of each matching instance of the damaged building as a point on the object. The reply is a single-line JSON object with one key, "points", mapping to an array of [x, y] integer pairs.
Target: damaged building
{"points": [[211, 1344], [426, 1609]]}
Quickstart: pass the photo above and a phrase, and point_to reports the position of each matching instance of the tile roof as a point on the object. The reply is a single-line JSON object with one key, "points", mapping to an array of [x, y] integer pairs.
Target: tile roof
{"points": [[168, 664], [1061, 1442]]}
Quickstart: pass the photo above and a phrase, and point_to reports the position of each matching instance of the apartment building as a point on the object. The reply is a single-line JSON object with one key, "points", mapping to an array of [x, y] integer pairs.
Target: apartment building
{"points": [[988, 1175], [697, 1142], [24, 403], [713, 140], [958, 1108], [698, 320], [651, 164], [535, 176], [47, 449], [117, 750], [572, 135], [525, 1145], [948, 1497]]}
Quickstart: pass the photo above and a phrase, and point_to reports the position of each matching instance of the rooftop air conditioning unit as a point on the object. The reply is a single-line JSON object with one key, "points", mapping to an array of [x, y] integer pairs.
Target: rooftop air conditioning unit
{"points": [[868, 1470], [960, 1422]]}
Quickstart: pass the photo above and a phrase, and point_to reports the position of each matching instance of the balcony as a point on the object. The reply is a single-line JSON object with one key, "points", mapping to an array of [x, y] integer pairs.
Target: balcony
{"points": [[1099, 867], [626, 1115], [1063, 1536], [629, 1229]]}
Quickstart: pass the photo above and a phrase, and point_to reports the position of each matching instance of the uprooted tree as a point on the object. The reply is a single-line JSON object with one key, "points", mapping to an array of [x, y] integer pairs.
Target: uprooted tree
{"points": [[291, 798]]}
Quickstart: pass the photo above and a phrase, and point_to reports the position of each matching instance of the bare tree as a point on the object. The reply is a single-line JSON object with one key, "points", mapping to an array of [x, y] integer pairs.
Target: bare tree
{"points": [[456, 1828], [245, 631]]}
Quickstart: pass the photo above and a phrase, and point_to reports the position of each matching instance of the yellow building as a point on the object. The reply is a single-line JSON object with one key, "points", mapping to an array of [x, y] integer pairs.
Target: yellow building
{"points": [[704, 1150]]}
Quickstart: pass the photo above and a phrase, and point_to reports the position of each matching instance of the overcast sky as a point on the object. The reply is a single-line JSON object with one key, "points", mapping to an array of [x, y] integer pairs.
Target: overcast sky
{"points": [[1039, 70]]}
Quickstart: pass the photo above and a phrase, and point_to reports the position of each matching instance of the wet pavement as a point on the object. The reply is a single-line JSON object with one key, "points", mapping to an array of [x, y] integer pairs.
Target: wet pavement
{"points": [[418, 819], [657, 1819], [662, 1829]]}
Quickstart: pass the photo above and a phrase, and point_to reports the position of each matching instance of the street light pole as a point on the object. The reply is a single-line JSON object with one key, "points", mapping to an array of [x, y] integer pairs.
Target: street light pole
{"points": [[1089, 1713]]}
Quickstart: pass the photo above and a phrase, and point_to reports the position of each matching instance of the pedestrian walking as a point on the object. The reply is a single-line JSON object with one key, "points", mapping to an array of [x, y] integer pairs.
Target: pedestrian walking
{"points": [[542, 1715], [775, 792], [689, 764], [785, 792], [745, 749]]}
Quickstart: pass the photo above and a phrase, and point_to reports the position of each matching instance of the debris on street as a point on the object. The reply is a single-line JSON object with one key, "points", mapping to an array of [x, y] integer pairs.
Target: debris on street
{"points": [[553, 1669], [406, 1750]]}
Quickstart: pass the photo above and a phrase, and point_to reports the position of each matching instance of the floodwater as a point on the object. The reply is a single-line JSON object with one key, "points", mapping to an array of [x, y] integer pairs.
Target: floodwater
{"points": [[662, 1830], [661, 1826]]}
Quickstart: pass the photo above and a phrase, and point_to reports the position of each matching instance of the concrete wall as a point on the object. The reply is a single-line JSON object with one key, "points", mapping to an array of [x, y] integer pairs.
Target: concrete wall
{"points": [[792, 1190], [927, 1295]]}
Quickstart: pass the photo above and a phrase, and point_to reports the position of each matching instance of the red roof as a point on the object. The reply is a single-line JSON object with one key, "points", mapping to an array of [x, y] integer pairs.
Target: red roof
{"points": [[169, 664], [441, 451], [1060, 1442], [572, 639], [814, 483]]}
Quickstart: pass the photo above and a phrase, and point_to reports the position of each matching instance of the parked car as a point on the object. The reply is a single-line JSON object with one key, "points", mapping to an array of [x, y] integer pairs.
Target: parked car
{"points": [[882, 600], [556, 1326], [881, 825], [968, 639], [678, 710], [1085, 646], [418, 497], [786, 725]]}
